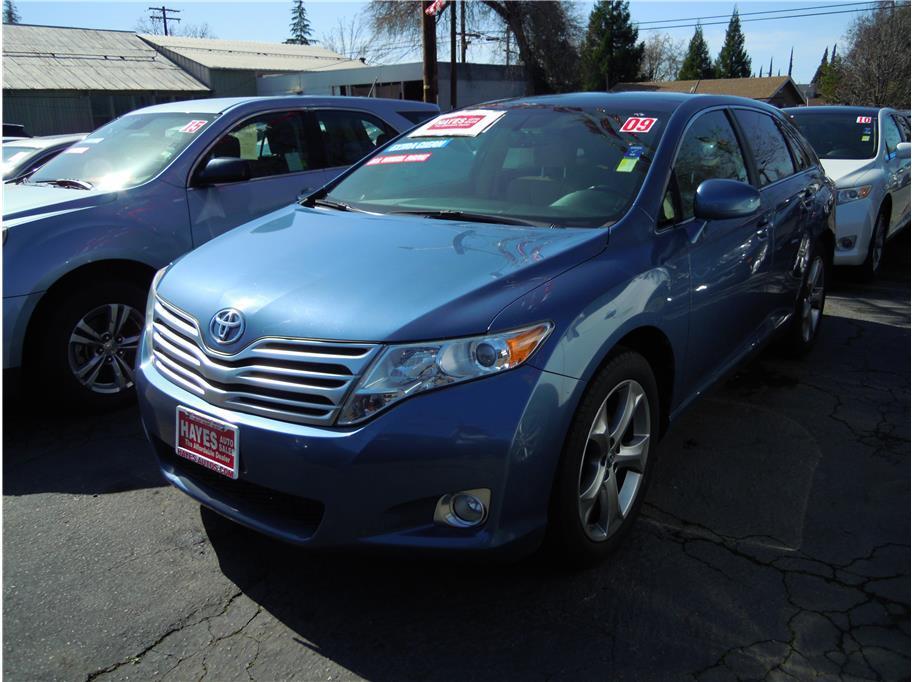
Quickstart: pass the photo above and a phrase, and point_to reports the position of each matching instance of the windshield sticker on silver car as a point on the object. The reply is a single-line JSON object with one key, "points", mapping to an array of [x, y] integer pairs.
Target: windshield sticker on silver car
{"points": [[399, 158], [76, 150], [92, 140], [637, 124], [469, 123], [863, 119], [193, 126], [424, 144]]}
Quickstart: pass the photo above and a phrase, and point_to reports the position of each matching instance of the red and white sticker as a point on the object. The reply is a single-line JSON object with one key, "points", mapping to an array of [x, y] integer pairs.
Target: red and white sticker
{"points": [[398, 158], [207, 441], [193, 126], [75, 150], [467, 123], [637, 124], [863, 119]]}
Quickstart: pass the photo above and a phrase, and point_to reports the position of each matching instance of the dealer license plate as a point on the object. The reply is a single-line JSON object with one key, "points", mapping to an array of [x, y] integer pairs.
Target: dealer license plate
{"points": [[207, 441]]}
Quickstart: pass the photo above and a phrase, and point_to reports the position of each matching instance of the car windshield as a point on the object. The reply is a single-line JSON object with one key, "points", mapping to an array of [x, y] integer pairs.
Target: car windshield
{"points": [[839, 135], [126, 152], [14, 157], [549, 165]]}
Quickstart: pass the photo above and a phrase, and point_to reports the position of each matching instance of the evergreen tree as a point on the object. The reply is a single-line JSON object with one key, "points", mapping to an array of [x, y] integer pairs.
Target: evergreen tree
{"points": [[697, 65], [300, 26], [791, 61], [733, 61], [818, 74], [610, 53], [10, 12]]}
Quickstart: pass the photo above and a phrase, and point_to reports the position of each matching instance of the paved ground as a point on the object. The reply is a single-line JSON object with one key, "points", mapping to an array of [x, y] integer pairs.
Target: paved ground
{"points": [[775, 543]]}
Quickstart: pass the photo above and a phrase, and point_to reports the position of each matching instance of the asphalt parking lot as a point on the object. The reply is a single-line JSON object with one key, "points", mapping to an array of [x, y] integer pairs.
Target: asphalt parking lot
{"points": [[774, 544]]}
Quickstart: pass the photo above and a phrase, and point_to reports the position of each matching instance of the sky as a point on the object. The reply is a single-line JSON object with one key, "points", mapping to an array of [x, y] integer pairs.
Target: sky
{"points": [[265, 20]]}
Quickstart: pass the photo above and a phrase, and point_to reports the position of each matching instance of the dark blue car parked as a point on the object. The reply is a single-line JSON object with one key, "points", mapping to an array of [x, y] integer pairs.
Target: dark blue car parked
{"points": [[474, 339]]}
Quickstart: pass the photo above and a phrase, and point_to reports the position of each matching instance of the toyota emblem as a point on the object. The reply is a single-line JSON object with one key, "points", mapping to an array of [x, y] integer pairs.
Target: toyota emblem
{"points": [[227, 325]]}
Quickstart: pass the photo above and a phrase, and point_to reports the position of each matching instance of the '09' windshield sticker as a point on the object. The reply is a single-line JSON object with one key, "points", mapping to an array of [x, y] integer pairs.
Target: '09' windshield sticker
{"points": [[399, 158], [468, 123], [637, 124], [193, 126]]}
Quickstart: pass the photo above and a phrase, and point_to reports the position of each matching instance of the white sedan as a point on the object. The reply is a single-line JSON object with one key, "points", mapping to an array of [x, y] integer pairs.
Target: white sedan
{"points": [[865, 150]]}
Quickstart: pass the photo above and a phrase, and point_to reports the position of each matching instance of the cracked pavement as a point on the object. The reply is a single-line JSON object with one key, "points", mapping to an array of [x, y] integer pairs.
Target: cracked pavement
{"points": [[774, 544]]}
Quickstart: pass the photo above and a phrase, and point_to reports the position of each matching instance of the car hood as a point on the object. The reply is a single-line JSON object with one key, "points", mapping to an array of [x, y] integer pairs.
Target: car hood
{"points": [[24, 203], [837, 169], [320, 274]]}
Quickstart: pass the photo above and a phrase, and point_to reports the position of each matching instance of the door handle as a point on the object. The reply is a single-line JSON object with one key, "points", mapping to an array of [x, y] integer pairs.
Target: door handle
{"points": [[765, 219]]}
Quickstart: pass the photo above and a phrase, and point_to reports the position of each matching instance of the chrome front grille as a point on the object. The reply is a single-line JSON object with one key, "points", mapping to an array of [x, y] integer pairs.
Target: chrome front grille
{"points": [[296, 380]]}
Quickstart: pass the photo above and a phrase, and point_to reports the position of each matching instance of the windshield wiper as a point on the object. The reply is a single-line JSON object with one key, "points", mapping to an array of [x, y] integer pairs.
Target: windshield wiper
{"points": [[472, 217], [65, 182], [337, 205]]}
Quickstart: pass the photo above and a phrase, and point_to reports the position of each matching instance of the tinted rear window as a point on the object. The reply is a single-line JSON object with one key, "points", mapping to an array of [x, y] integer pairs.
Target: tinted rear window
{"points": [[839, 135]]}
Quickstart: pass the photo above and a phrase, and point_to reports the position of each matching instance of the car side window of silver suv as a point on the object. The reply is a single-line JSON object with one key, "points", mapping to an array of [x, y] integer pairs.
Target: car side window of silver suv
{"points": [[891, 135]]}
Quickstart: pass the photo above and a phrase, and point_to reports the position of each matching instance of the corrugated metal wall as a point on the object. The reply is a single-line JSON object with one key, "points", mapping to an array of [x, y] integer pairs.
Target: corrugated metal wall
{"points": [[48, 113]]}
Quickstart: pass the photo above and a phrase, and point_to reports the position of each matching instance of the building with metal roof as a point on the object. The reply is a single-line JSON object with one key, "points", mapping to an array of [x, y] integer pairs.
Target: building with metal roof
{"points": [[780, 91], [64, 80], [231, 67]]}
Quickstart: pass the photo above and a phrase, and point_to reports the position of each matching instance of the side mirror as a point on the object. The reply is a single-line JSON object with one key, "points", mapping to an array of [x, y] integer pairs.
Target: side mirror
{"points": [[223, 169], [902, 150], [720, 199]]}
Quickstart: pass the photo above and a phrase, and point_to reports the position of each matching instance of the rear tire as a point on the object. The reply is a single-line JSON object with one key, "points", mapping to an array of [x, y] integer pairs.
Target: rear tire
{"points": [[87, 343], [607, 462], [808, 314], [868, 270]]}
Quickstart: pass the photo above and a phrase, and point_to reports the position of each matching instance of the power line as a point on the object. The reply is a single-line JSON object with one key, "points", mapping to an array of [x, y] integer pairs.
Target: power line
{"points": [[161, 14], [874, 3], [790, 16]]}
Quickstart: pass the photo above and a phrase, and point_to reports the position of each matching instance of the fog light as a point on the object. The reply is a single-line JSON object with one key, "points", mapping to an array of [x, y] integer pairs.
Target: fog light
{"points": [[465, 509], [847, 242]]}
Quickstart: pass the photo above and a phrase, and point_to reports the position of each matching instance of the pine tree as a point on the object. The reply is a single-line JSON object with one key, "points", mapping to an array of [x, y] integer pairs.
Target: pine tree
{"points": [[10, 12], [697, 65], [733, 61], [610, 53], [300, 26], [791, 61], [818, 74]]}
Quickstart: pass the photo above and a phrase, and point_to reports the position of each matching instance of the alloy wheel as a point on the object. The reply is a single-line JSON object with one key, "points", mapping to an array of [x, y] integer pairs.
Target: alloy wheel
{"points": [[614, 462], [812, 303], [102, 348]]}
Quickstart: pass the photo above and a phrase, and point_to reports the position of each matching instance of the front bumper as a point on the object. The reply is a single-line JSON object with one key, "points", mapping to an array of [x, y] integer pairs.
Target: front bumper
{"points": [[854, 219], [378, 484]]}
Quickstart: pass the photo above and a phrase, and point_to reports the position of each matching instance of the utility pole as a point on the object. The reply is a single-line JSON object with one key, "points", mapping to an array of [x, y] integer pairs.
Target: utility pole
{"points": [[429, 50], [462, 29], [454, 74], [161, 14], [508, 46]]}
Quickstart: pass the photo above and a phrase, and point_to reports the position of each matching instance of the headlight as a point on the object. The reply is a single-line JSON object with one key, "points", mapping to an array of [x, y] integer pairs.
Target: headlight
{"points": [[844, 196], [146, 346], [403, 371]]}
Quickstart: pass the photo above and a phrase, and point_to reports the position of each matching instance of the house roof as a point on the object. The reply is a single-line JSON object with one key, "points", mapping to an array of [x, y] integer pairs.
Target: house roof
{"points": [[55, 58], [752, 88], [251, 56]]}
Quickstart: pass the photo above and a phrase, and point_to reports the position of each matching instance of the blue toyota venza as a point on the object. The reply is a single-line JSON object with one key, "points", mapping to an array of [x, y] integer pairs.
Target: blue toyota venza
{"points": [[475, 338]]}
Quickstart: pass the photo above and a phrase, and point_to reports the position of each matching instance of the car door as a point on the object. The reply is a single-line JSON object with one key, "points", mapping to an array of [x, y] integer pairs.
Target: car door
{"points": [[897, 171], [728, 258], [786, 197], [285, 157]]}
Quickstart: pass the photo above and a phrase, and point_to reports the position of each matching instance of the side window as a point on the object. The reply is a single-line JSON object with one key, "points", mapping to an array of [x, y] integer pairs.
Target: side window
{"points": [[350, 135], [767, 144], [709, 150], [799, 151], [891, 134], [903, 124], [271, 144]]}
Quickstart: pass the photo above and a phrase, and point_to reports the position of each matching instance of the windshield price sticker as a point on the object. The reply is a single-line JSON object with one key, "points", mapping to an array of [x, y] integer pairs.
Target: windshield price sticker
{"points": [[425, 144], [468, 123], [193, 126], [863, 119], [398, 158], [76, 150], [637, 124]]}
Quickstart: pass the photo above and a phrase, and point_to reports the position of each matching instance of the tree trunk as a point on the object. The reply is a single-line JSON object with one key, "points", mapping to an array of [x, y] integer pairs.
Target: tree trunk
{"points": [[512, 14]]}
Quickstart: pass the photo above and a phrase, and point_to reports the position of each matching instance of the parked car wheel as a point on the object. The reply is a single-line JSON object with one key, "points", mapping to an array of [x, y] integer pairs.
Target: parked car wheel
{"points": [[808, 315], [607, 460], [871, 266], [89, 345]]}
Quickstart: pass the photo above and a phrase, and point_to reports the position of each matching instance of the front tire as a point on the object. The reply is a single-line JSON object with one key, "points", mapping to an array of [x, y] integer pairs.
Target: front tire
{"points": [[606, 463], [868, 270], [808, 314], [87, 346]]}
